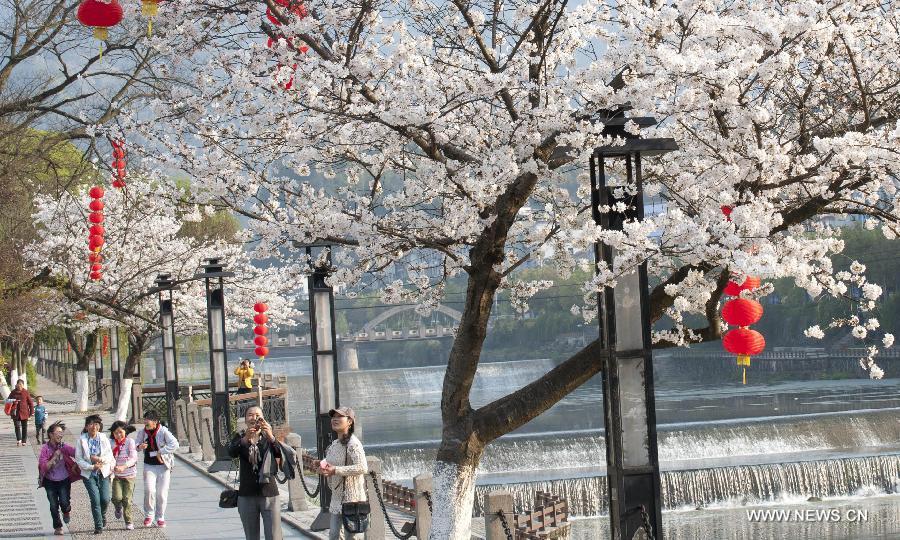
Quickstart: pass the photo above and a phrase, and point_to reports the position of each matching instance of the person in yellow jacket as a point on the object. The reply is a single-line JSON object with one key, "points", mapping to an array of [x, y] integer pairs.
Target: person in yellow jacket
{"points": [[245, 375]]}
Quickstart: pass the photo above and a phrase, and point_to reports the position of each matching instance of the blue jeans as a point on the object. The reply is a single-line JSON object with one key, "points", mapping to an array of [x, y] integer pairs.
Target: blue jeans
{"points": [[99, 494], [58, 493]]}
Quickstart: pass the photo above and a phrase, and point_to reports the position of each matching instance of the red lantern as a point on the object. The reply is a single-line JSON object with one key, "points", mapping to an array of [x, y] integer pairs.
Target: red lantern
{"points": [[260, 307], [733, 289], [260, 318], [104, 350], [95, 242], [261, 341], [118, 184], [260, 330], [742, 312], [96, 267], [97, 229], [96, 192], [100, 16], [262, 352], [95, 217], [95, 257], [96, 276], [744, 342], [96, 205]]}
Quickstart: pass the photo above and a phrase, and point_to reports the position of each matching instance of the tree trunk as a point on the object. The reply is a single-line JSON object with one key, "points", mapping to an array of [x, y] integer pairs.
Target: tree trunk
{"points": [[124, 399], [454, 494], [81, 390]]}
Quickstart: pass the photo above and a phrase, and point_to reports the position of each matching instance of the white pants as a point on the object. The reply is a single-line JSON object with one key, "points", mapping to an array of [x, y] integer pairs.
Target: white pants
{"points": [[156, 491]]}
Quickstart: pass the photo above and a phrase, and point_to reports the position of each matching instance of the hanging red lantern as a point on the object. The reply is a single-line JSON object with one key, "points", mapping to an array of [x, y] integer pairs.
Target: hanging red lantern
{"points": [[100, 16], [97, 230], [260, 318], [96, 205], [733, 289], [260, 307], [96, 267], [745, 343], [94, 257], [119, 163], [262, 352], [260, 330], [95, 217], [95, 242], [96, 192], [261, 341], [96, 276], [742, 312], [104, 349]]}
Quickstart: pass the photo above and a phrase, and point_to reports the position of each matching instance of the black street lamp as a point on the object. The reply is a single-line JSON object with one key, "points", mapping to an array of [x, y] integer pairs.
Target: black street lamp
{"points": [[624, 319], [98, 369], [164, 287], [213, 274], [324, 366], [114, 362]]}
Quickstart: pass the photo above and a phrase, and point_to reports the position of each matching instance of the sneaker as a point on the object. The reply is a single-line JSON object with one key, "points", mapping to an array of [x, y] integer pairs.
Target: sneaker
{"points": [[58, 532], [98, 530], [148, 522], [67, 517], [160, 523], [129, 526], [118, 513]]}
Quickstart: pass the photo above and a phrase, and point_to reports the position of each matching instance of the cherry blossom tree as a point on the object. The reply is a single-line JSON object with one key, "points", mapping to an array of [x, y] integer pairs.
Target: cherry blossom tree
{"points": [[449, 138], [143, 240]]}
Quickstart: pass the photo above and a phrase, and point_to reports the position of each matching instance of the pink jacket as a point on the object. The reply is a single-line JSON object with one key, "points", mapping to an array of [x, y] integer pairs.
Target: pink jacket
{"points": [[68, 456], [126, 456]]}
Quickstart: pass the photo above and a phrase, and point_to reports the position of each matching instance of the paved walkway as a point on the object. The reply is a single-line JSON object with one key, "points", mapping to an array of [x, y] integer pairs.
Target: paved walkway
{"points": [[192, 514]]}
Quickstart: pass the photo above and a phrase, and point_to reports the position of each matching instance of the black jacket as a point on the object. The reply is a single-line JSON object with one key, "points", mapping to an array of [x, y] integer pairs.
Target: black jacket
{"points": [[249, 480]]}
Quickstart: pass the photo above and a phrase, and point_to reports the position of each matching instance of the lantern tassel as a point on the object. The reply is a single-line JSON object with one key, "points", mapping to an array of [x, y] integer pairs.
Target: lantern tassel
{"points": [[150, 27], [745, 375]]}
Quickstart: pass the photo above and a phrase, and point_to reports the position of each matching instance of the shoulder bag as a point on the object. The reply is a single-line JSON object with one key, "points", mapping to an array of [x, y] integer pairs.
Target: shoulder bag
{"points": [[355, 515], [229, 497]]}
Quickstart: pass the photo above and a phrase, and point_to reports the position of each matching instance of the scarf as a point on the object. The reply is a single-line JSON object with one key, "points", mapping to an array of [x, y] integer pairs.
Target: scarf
{"points": [[253, 455], [118, 446]]}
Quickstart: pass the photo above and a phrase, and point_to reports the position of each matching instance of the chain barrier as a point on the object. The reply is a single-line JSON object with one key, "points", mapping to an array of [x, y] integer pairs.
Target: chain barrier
{"points": [[312, 494], [505, 524], [427, 495], [645, 518], [387, 518], [183, 419], [74, 401], [196, 431]]}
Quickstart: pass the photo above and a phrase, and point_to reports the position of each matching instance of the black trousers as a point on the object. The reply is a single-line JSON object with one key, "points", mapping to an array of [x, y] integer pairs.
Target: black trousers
{"points": [[39, 432], [21, 429]]}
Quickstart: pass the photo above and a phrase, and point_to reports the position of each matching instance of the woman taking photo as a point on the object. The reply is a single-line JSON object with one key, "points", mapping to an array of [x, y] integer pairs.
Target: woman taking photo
{"points": [[259, 453], [94, 456], [345, 468]]}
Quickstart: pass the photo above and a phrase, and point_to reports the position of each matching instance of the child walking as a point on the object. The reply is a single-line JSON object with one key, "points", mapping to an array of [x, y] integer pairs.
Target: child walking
{"points": [[124, 472], [40, 418]]}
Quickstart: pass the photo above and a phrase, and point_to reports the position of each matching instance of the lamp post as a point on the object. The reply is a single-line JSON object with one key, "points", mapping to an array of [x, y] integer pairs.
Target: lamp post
{"points": [[324, 366], [164, 287], [623, 315], [98, 369], [213, 274], [114, 362]]}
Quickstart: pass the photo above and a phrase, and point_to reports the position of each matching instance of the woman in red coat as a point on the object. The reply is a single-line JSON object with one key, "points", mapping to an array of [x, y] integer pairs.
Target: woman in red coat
{"points": [[22, 409]]}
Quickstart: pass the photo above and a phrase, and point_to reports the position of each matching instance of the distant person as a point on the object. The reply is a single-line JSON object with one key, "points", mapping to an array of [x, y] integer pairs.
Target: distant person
{"points": [[125, 470], [40, 418], [345, 468], [57, 470], [21, 408], [159, 446], [93, 454], [258, 490], [244, 373]]}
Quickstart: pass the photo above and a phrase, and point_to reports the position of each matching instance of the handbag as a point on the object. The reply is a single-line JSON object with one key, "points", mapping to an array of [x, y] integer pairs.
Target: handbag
{"points": [[354, 515], [229, 497]]}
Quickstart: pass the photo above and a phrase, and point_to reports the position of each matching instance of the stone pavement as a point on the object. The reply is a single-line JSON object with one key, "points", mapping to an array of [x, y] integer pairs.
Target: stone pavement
{"points": [[193, 512]]}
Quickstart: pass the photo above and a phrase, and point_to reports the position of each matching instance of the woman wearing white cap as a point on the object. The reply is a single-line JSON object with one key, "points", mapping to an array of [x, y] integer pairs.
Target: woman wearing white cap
{"points": [[345, 468]]}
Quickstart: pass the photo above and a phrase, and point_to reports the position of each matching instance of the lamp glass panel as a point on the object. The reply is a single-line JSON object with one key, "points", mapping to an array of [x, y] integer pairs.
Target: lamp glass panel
{"points": [[325, 364], [322, 300], [169, 355], [167, 330], [216, 328], [629, 324], [98, 358], [632, 393], [218, 374]]}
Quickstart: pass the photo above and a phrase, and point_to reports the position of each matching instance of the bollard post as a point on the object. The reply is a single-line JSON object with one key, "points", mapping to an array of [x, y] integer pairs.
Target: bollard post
{"points": [[423, 484], [296, 495], [193, 420], [376, 529], [205, 426], [493, 526], [181, 422]]}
